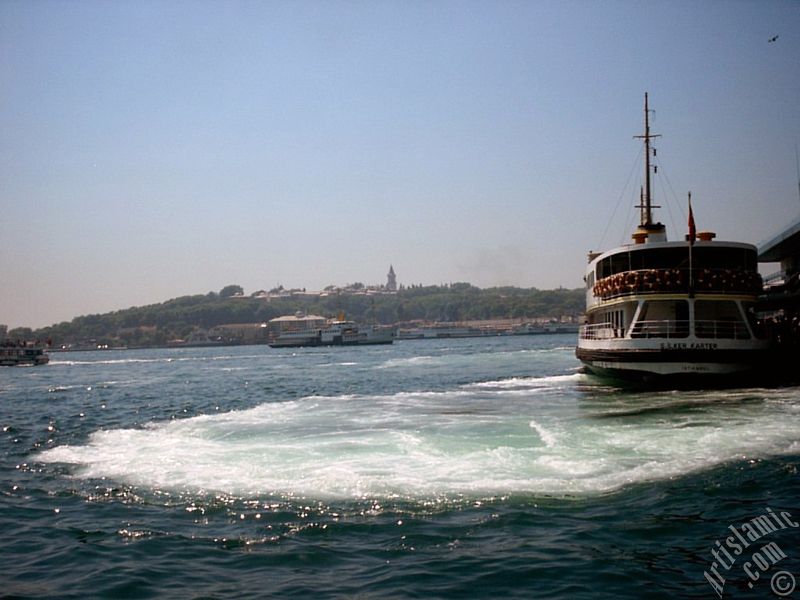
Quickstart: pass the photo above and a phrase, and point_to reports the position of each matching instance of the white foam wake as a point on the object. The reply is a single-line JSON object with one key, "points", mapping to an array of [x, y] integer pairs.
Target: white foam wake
{"points": [[546, 436], [429, 445]]}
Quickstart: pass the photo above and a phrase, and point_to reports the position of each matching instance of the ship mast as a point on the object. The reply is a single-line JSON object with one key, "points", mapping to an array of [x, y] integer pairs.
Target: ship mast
{"points": [[647, 228], [647, 206], [648, 192]]}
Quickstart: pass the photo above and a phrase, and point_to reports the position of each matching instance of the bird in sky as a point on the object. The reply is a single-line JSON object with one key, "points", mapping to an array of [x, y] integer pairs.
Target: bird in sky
{"points": [[773, 39]]}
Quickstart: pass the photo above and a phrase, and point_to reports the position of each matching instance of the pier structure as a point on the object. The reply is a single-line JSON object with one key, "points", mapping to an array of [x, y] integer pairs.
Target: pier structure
{"points": [[779, 304]]}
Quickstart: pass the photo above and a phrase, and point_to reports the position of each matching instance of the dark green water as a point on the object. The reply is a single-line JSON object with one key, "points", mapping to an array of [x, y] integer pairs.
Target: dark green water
{"points": [[477, 468]]}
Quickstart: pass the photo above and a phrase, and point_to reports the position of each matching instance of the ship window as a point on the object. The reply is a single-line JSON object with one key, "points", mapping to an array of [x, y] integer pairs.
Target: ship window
{"points": [[616, 263], [659, 258], [722, 257], [662, 319], [719, 319], [711, 257]]}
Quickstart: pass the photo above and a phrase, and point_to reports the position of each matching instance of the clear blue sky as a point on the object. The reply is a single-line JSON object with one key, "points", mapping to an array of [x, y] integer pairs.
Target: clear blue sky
{"points": [[152, 149]]}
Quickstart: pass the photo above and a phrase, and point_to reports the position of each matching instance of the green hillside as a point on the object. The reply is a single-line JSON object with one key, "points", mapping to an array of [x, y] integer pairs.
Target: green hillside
{"points": [[180, 318]]}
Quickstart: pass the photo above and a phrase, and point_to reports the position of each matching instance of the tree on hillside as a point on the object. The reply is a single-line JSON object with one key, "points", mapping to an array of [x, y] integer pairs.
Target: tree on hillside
{"points": [[231, 290]]}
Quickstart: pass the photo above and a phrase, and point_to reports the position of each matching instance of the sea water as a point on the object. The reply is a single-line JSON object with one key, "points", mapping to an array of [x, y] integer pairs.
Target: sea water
{"points": [[461, 468]]}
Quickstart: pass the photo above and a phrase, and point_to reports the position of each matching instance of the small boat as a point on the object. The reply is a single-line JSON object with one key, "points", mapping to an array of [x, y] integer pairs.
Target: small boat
{"points": [[23, 353], [311, 330], [658, 310]]}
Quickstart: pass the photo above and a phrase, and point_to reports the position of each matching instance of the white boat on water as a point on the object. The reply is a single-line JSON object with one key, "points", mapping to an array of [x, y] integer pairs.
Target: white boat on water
{"points": [[657, 309], [311, 330]]}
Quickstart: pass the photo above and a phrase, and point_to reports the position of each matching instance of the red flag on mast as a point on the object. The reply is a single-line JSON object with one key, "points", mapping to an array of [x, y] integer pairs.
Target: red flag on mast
{"points": [[692, 230]]}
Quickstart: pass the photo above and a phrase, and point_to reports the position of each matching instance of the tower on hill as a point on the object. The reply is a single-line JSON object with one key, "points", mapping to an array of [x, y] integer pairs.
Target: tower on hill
{"points": [[391, 280]]}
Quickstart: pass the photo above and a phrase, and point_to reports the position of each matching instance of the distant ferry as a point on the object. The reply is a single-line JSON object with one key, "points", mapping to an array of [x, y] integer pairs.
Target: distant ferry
{"points": [[13, 354], [311, 330], [657, 309]]}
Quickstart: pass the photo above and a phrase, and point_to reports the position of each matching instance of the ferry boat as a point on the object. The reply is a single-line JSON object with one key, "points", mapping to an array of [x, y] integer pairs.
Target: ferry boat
{"points": [[12, 355], [657, 310], [311, 330]]}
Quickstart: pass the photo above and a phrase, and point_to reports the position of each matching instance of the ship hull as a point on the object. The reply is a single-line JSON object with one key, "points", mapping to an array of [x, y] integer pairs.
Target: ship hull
{"points": [[310, 342], [648, 365], [295, 342]]}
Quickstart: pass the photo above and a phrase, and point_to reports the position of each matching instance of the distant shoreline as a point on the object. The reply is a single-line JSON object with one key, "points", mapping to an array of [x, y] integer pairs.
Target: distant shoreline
{"points": [[564, 329]]}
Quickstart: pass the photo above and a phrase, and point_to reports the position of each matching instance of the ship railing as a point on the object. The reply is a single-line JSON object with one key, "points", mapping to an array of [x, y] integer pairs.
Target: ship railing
{"points": [[669, 329], [661, 281], [719, 329], [600, 331], [663, 328]]}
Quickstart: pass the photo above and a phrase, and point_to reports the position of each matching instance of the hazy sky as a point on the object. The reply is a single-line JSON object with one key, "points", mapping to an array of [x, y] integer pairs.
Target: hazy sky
{"points": [[152, 149]]}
